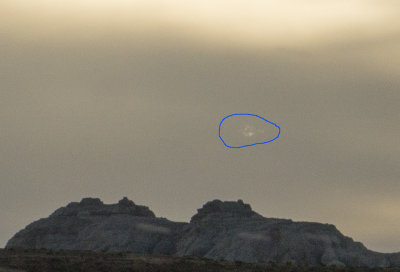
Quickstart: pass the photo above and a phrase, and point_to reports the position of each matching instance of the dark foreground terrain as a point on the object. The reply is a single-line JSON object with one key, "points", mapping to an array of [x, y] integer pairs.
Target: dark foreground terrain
{"points": [[13, 260]]}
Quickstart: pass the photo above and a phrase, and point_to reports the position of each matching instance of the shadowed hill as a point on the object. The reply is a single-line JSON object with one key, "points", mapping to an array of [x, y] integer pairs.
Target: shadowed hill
{"points": [[228, 230]]}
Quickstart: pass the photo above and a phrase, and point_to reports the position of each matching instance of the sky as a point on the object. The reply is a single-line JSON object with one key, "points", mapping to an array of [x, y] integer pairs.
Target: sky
{"points": [[124, 98]]}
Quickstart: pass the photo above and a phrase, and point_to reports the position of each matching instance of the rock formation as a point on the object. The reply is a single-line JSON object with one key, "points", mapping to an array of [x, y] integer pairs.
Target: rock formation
{"points": [[92, 225], [220, 230]]}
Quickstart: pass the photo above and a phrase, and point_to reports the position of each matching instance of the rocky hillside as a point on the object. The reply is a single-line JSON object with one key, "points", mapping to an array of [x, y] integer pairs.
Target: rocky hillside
{"points": [[226, 230], [92, 225]]}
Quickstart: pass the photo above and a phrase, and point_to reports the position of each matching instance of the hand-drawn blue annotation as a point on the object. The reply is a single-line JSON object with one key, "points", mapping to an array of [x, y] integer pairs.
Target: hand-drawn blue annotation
{"points": [[251, 115]]}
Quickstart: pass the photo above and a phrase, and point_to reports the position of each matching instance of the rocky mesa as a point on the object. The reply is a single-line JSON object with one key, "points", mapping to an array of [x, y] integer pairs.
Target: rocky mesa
{"points": [[228, 230]]}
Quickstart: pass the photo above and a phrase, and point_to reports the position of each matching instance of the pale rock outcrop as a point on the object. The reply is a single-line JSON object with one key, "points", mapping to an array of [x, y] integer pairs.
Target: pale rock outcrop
{"points": [[228, 230], [92, 225]]}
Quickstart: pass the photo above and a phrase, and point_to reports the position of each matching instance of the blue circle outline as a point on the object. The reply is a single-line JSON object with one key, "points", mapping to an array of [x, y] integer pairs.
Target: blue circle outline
{"points": [[219, 130]]}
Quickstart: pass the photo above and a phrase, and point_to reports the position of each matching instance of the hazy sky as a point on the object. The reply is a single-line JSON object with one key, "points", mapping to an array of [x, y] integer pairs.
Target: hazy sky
{"points": [[123, 98]]}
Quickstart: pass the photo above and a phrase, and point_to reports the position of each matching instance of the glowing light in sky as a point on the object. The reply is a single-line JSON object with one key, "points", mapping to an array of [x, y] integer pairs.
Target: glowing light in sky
{"points": [[248, 131]]}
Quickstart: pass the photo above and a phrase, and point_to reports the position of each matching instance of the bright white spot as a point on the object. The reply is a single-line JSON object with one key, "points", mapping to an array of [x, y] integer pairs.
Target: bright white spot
{"points": [[248, 131]]}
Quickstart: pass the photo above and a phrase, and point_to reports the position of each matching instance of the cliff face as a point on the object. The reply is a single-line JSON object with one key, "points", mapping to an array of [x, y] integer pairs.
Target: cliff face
{"points": [[220, 230], [232, 231], [92, 225]]}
